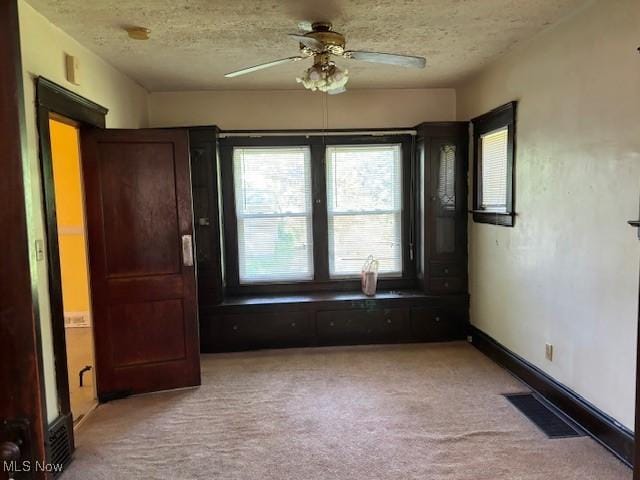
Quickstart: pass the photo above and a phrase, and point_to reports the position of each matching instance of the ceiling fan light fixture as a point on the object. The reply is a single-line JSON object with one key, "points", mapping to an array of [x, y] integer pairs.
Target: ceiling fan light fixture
{"points": [[325, 77]]}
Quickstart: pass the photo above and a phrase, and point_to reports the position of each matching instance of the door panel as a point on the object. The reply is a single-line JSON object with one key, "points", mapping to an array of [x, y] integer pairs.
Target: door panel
{"points": [[155, 332], [138, 195], [137, 184]]}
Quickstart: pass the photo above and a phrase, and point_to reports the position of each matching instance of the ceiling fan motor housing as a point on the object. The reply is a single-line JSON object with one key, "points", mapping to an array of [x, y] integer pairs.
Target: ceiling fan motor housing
{"points": [[333, 42]]}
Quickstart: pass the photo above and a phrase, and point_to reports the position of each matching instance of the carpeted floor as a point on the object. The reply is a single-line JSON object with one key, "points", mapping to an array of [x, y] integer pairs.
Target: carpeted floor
{"points": [[429, 412]]}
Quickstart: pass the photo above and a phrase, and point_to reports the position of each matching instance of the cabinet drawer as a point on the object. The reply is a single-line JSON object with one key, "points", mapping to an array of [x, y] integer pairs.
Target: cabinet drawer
{"points": [[447, 285], [266, 330], [394, 323], [446, 270], [437, 324], [344, 327]]}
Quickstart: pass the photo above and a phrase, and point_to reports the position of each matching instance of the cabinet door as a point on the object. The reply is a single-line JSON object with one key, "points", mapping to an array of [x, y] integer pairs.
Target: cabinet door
{"points": [[446, 202]]}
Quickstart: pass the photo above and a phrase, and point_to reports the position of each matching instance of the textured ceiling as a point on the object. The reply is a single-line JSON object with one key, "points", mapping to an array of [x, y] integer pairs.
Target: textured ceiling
{"points": [[194, 42]]}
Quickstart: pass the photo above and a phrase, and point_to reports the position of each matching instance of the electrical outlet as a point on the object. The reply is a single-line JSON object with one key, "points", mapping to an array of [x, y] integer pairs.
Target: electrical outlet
{"points": [[76, 319], [548, 351]]}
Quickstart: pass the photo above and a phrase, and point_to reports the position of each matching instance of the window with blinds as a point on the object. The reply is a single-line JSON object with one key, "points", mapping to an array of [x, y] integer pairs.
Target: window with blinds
{"points": [[273, 211], [494, 164], [364, 208]]}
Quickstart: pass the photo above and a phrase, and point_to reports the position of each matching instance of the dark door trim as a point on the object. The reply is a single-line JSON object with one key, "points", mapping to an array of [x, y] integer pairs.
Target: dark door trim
{"points": [[636, 458], [52, 100], [57, 99], [22, 403]]}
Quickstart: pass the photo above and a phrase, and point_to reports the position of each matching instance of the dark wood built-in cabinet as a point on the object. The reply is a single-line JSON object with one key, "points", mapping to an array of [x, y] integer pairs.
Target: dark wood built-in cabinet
{"points": [[203, 144], [246, 323], [442, 158], [431, 304]]}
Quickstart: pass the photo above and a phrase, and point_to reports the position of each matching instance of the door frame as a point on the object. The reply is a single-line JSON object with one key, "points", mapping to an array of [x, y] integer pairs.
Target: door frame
{"points": [[53, 100], [23, 415], [636, 459]]}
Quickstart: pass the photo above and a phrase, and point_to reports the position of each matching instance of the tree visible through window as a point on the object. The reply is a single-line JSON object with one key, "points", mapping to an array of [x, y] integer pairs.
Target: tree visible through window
{"points": [[364, 207], [273, 210], [311, 210]]}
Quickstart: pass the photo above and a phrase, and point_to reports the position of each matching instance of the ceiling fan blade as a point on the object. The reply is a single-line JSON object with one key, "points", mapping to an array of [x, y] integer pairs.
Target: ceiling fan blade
{"points": [[255, 68], [388, 58], [310, 42]]}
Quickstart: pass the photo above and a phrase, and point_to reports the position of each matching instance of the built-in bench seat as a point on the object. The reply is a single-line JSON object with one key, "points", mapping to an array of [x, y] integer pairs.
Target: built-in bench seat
{"points": [[331, 318]]}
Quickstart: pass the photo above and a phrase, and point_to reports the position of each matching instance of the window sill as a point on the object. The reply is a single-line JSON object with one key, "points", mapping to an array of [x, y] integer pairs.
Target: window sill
{"points": [[304, 301], [309, 288], [318, 297], [504, 219]]}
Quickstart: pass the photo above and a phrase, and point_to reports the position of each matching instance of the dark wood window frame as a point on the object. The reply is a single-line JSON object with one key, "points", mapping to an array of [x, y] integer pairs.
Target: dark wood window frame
{"points": [[503, 116], [317, 145]]}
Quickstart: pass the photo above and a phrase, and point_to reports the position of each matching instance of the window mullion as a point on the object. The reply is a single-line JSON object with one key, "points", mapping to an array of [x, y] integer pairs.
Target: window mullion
{"points": [[319, 209]]}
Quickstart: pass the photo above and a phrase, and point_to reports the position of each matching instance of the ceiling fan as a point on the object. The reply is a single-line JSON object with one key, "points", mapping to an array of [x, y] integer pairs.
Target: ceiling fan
{"points": [[321, 43]]}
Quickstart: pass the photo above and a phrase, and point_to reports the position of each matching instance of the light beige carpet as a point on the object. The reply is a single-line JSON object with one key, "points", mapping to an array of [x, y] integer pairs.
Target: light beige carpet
{"points": [[429, 412]]}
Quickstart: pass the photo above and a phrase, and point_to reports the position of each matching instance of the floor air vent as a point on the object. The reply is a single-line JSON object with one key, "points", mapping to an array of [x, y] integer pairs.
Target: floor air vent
{"points": [[551, 424], [60, 444]]}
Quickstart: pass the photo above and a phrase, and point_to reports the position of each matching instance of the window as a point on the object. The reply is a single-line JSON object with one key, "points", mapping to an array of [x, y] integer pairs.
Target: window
{"points": [[303, 213], [493, 162], [273, 213], [364, 207], [493, 166]]}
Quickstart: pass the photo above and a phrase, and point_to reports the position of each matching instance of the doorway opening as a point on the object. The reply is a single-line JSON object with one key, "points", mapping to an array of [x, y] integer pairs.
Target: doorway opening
{"points": [[74, 272], [61, 115]]}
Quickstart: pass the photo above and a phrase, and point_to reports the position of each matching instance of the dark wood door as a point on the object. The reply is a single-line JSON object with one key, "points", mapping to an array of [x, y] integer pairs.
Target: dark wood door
{"points": [[143, 285], [22, 410]]}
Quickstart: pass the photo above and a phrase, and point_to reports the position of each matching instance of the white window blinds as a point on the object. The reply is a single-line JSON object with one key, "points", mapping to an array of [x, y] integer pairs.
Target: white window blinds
{"points": [[273, 210], [494, 170], [364, 207]]}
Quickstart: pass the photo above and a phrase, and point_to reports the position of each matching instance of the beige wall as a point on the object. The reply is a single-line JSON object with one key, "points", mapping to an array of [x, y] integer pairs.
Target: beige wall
{"points": [[43, 47], [567, 273], [296, 109]]}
